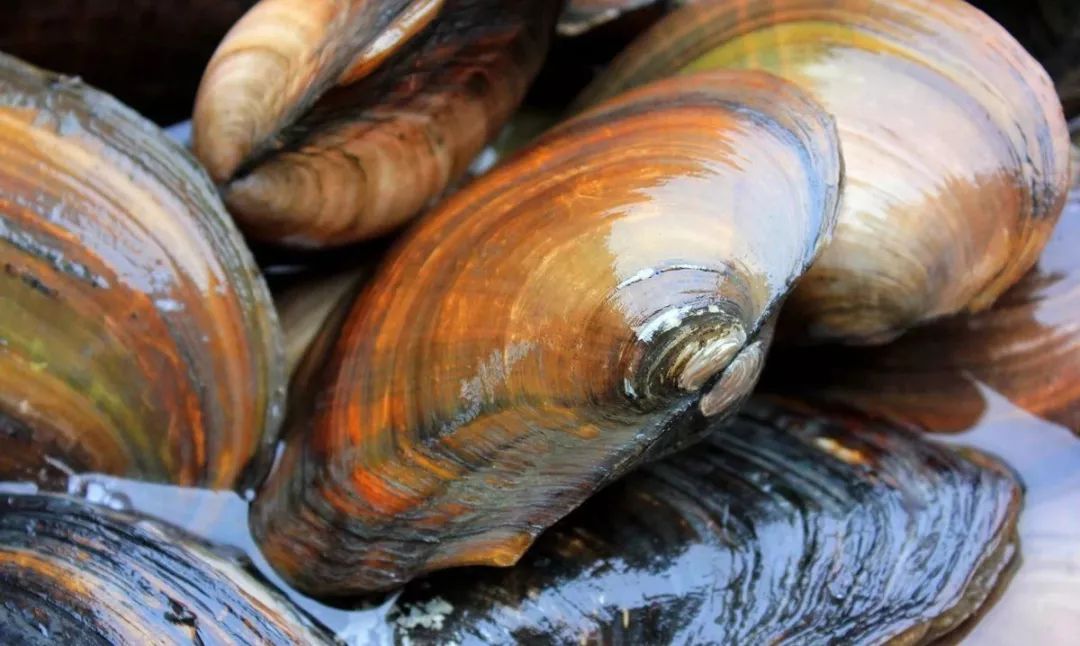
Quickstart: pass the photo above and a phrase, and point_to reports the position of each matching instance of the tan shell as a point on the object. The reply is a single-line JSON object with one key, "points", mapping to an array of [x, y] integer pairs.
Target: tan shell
{"points": [[955, 148]]}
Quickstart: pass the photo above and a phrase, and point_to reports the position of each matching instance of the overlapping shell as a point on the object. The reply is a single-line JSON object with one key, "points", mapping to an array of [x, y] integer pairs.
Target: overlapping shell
{"points": [[307, 307], [1026, 347], [136, 336], [787, 526], [579, 16], [586, 305], [333, 121], [78, 574], [955, 148]]}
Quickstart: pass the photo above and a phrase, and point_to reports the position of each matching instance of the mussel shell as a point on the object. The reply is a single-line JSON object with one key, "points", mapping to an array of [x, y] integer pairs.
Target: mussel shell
{"points": [[955, 147], [582, 307], [74, 573], [272, 66], [580, 16], [1026, 348], [372, 153], [306, 306], [136, 336], [147, 53], [787, 526]]}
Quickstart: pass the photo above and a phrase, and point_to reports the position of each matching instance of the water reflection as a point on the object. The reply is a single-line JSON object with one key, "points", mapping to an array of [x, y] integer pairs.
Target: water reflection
{"points": [[1042, 603]]}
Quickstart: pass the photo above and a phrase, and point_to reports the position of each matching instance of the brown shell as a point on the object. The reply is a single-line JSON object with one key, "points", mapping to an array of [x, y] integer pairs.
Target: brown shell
{"points": [[584, 305], [955, 147], [1026, 347], [307, 165], [136, 336], [306, 306]]}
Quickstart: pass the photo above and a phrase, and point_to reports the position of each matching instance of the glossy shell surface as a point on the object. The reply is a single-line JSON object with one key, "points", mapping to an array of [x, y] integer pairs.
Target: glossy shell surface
{"points": [[582, 307], [955, 147], [786, 526], [937, 377], [136, 336], [78, 574]]}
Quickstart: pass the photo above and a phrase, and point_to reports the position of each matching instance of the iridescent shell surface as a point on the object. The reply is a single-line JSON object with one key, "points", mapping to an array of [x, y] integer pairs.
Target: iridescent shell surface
{"points": [[584, 306], [955, 147], [74, 573], [786, 526], [136, 335]]}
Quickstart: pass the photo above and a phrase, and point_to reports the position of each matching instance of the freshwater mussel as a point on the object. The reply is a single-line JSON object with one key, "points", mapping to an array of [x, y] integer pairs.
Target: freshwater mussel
{"points": [[791, 525], [76, 573], [136, 335], [1025, 348], [1049, 29], [955, 147], [592, 306], [584, 306], [337, 120]]}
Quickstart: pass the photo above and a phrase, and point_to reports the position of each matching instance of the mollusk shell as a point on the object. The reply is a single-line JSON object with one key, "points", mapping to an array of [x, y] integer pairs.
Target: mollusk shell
{"points": [[306, 307], [136, 336], [1026, 347], [580, 16], [272, 66], [74, 573], [578, 309], [374, 152], [785, 526], [955, 147], [155, 54]]}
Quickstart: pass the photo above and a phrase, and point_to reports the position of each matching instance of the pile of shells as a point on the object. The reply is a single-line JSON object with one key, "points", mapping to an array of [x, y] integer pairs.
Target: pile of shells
{"points": [[605, 321]]}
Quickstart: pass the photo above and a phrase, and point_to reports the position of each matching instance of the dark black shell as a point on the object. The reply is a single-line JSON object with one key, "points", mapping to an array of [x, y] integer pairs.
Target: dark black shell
{"points": [[72, 573], [785, 527]]}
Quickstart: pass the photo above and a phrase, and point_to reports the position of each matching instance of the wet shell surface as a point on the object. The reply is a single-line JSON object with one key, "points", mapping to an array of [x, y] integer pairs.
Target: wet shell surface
{"points": [[584, 306], [355, 148], [955, 147], [581, 16], [1026, 348], [78, 574], [136, 336], [786, 526]]}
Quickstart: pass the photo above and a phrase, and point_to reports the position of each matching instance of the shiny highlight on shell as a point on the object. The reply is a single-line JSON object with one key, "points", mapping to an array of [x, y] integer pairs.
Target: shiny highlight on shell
{"points": [[549, 327], [78, 574], [786, 526], [955, 147], [137, 337]]}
